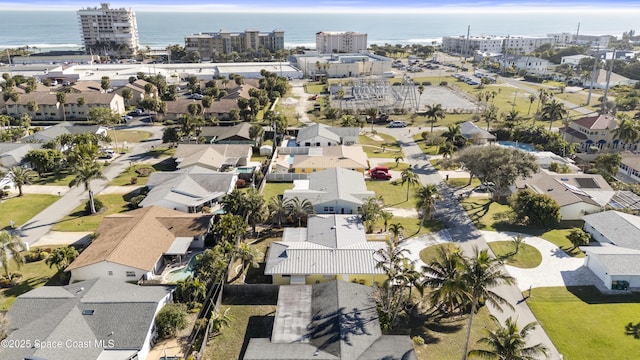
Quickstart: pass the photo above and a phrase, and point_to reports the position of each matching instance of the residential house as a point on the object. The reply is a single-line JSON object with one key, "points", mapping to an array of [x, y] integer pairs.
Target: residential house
{"points": [[239, 91], [630, 166], [50, 109], [236, 134], [617, 259], [528, 64], [218, 157], [573, 60], [332, 320], [475, 134], [88, 86], [12, 154], [325, 157], [50, 133], [595, 130], [188, 190], [137, 89], [330, 247], [324, 135], [332, 191], [219, 109], [89, 320], [137, 244], [576, 194]]}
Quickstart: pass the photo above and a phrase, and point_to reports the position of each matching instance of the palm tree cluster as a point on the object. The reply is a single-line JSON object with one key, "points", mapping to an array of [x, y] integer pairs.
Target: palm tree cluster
{"points": [[10, 248], [294, 209], [86, 168], [628, 130]]}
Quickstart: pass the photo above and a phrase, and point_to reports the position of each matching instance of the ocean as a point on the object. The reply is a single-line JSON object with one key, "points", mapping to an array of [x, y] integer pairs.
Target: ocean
{"points": [[58, 30]]}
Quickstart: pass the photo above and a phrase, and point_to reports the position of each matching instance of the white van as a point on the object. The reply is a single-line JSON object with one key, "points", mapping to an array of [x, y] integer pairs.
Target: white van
{"points": [[388, 74]]}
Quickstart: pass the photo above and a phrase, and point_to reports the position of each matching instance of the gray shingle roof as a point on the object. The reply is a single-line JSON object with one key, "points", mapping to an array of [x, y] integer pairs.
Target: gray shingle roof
{"points": [[12, 154], [54, 131], [566, 190], [469, 130], [333, 184], [122, 313], [616, 260], [620, 228], [321, 130], [333, 320]]}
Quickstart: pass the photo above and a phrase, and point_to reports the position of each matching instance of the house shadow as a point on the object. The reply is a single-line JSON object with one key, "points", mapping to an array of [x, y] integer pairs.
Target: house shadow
{"points": [[257, 327], [591, 295]]}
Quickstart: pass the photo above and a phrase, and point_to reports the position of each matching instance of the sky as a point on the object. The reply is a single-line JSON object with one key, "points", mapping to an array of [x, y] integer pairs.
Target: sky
{"points": [[344, 6]]}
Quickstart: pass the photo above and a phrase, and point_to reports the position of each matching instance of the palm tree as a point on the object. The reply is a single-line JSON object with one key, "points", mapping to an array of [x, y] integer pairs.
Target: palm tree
{"points": [[255, 133], [427, 197], [277, 208], [453, 134], [220, 320], [370, 212], [127, 95], [508, 342], [299, 209], [420, 91], [398, 159], [410, 178], [552, 111], [396, 230], [434, 113], [61, 257], [444, 275], [481, 273], [20, 176], [386, 217], [532, 99], [490, 115], [86, 169], [62, 99], [11, 246], [627, 131], [207, 101], [248, 255], [446, 150]]}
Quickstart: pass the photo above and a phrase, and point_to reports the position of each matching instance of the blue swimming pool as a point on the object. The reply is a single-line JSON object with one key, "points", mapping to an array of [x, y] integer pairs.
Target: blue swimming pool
{"points": [[182, 273], [291, 143], [519, 146]]}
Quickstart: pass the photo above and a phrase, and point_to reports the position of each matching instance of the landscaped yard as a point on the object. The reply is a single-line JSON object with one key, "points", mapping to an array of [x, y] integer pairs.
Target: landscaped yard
{"points": [[78, 221], [394, 193], [373, 148], [22, 209], [130, 172], [400, 167], [430, 253], [249, 321], [61, 179], [528, 257], [34, 275], [272, 189], [129, 136], [583, 324]]}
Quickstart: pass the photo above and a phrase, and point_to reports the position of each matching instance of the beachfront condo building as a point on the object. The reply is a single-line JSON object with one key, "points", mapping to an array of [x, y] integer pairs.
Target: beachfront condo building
{"points": [[328, 42], [468, 46], [107, 31], [224, 42]]}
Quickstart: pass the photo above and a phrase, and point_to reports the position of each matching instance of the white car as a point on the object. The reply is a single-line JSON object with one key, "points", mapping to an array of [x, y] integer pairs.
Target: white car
{"points": [[397, 124]]}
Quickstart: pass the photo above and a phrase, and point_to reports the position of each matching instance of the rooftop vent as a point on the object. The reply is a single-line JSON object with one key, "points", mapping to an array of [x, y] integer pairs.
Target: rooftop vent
{"points": [[88, 312]]}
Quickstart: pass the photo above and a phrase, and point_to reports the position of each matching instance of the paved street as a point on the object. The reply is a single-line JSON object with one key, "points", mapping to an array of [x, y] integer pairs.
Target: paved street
{"points": [[40, 225], [464, 234]]}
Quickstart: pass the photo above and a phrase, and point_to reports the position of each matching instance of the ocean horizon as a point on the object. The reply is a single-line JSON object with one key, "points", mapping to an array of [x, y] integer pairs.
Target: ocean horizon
{"points": [[59, 30]]}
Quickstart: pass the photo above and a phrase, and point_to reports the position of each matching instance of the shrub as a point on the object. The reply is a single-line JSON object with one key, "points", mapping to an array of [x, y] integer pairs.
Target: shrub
{"points": [[417, 340], [145, 171], [443, 83], [134, 180], [96, 202], [169, 122], [43, 255], [241, 183], [171, 318], [135, 201]]}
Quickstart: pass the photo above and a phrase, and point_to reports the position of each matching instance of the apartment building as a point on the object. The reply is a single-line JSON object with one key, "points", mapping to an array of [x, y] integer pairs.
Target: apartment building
{"points": [[328, 42], [115, 27], [209, 44], [493, 44], [594, 41]]}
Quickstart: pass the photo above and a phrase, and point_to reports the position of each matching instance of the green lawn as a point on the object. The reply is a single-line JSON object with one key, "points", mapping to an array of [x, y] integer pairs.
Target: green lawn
{"points": [[78, 221], [248, 321], [400, 167], [394, 193], [528, 257], [22, 209], [272, 189], [130, 136], [34, 275], [130, 172], [373, 148], [430, 253], [62, 179], [460, 183], [559, 238], [583, 324]]}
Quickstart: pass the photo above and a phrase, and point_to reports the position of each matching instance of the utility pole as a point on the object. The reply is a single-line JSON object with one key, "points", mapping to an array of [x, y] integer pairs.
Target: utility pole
{"points": [[593, 73], [606, 88]]}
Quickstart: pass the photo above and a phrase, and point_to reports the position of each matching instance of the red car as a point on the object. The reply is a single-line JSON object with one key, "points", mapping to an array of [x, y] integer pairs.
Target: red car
{"points": [[379, 175], [314, 97]]}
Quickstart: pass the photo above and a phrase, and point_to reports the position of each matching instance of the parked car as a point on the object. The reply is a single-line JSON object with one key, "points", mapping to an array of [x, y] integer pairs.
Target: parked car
{"points": [[397, 124], [126, 118], [314, 97], [136, 112], [379, 175], [196, 96], [379, 168]]}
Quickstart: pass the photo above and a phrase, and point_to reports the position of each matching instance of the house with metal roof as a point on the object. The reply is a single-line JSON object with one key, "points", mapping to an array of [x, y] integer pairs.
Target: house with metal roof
{"points": [[330, 247], [188, 190], [332, 191], [617, 259], [576, 194], [475, 134], [89, 320], [328, 321], [218, 157], [138, 244], [324, 135]]}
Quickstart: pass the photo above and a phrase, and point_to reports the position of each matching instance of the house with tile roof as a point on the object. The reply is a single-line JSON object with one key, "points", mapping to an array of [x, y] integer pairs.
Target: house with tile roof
{"points": [[188, 190], [332, 191], [324, 157], [617, 259], [324, 135], [595, 130], [218, 157], [138, 244], [330, 247], [328, 321], [89, 320], [576, 194]]}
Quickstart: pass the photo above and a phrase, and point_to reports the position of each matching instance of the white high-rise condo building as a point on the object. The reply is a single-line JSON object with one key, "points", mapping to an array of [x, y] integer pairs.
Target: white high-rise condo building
{"points": [[110, 31], [328, 42]]}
